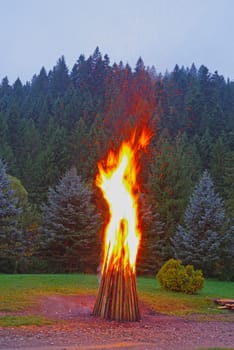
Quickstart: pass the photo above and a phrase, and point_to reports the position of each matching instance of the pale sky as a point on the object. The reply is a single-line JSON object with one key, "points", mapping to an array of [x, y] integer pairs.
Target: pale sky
{"points": [[36, 33]]}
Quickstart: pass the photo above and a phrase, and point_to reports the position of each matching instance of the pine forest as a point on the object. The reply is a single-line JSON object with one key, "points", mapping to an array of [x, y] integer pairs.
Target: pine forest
{"points": [[55, 129]]}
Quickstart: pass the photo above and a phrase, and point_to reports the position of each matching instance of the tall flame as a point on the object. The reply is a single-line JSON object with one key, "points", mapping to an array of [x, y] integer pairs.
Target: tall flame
{"points": [[117, 179]]}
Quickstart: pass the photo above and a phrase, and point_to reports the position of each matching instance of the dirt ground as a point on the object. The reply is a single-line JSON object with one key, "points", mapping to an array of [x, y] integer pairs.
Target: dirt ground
{"points": [[76, 328]]}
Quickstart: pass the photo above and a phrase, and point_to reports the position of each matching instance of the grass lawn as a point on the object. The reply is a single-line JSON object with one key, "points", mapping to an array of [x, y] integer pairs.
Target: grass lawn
{"points": [[182, 304], [20, 292]]}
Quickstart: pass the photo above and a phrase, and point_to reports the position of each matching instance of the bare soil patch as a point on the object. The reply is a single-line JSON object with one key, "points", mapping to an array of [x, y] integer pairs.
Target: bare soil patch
{"points": [[76, 328]]}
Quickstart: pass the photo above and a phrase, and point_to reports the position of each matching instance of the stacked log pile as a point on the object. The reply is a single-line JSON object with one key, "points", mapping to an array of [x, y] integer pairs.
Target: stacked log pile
{"points": [[117, 295], [225, 304]]}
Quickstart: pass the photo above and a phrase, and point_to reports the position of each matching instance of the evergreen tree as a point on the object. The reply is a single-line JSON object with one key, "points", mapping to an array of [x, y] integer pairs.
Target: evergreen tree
{"points": [[9, 214], [30, 156], [28, 223], [79, 73], [6, 153], [5, 95], [40, 83], [172, 178], [53, 160], [219, 163], [150, 255], [18, 91], [229, 185], [203, 237], [59, 78], [204, 147], [14, 130], [70, 225]]}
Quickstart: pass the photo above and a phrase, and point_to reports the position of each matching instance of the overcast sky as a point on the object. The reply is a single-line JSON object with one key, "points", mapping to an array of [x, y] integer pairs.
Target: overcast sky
{"points": [[35, 33]]}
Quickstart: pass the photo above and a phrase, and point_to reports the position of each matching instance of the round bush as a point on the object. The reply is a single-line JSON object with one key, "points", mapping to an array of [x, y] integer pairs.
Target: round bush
{"points": [[178, 278]]}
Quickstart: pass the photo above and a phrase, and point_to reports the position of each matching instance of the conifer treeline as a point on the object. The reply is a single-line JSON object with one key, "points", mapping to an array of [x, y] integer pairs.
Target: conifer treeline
{"points": [[63, 119]]}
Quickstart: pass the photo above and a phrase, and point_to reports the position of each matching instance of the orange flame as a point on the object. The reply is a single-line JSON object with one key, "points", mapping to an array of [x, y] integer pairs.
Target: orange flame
{"points": [[117, 179]]}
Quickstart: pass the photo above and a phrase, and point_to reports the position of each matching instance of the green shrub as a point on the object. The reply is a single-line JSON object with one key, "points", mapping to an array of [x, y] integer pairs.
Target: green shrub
{"points": [[178, 278]]}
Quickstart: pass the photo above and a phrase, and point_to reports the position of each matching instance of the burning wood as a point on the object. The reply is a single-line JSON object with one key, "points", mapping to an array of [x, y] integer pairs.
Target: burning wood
{"points": [[117, 296]]}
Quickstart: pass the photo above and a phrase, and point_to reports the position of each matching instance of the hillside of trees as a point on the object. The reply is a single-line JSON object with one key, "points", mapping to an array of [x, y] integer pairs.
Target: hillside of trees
{"points": [[64, 122]]}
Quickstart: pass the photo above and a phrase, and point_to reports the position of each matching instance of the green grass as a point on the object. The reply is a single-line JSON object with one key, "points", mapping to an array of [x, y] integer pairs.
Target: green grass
{"points": [[181, 304], [18, 292], [15, 321], [21, 292]]}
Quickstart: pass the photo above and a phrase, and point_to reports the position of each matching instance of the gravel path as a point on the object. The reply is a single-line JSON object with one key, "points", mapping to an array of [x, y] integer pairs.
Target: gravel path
{"points": [[76, 329]]}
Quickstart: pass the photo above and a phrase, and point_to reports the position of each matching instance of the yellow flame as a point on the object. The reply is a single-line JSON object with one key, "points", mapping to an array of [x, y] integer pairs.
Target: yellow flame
{"points": [[118, 183]]}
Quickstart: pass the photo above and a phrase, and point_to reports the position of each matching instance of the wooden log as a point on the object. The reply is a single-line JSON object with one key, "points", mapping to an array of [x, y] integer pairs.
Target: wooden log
{"points": [[224, 301], [225, 304], [117, 295]]}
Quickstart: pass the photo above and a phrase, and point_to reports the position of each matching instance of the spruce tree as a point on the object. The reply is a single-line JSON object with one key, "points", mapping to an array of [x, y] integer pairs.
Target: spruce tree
{"points": [[229, 185], [9, 214], [219, 164], [202, 239], [150, 255], [171, 181], [59, 79], [70, 225]]}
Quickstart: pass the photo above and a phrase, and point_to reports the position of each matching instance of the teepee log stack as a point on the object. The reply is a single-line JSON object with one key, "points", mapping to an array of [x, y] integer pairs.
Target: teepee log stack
{"points": [[117, 295]]}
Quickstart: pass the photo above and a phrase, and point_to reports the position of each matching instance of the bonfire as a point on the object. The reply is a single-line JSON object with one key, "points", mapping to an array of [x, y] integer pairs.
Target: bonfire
{"points": [[117, 178]]}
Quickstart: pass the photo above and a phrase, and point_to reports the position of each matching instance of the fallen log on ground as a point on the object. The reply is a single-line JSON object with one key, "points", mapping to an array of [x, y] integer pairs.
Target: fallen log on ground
{"points": [[225, 304]]}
